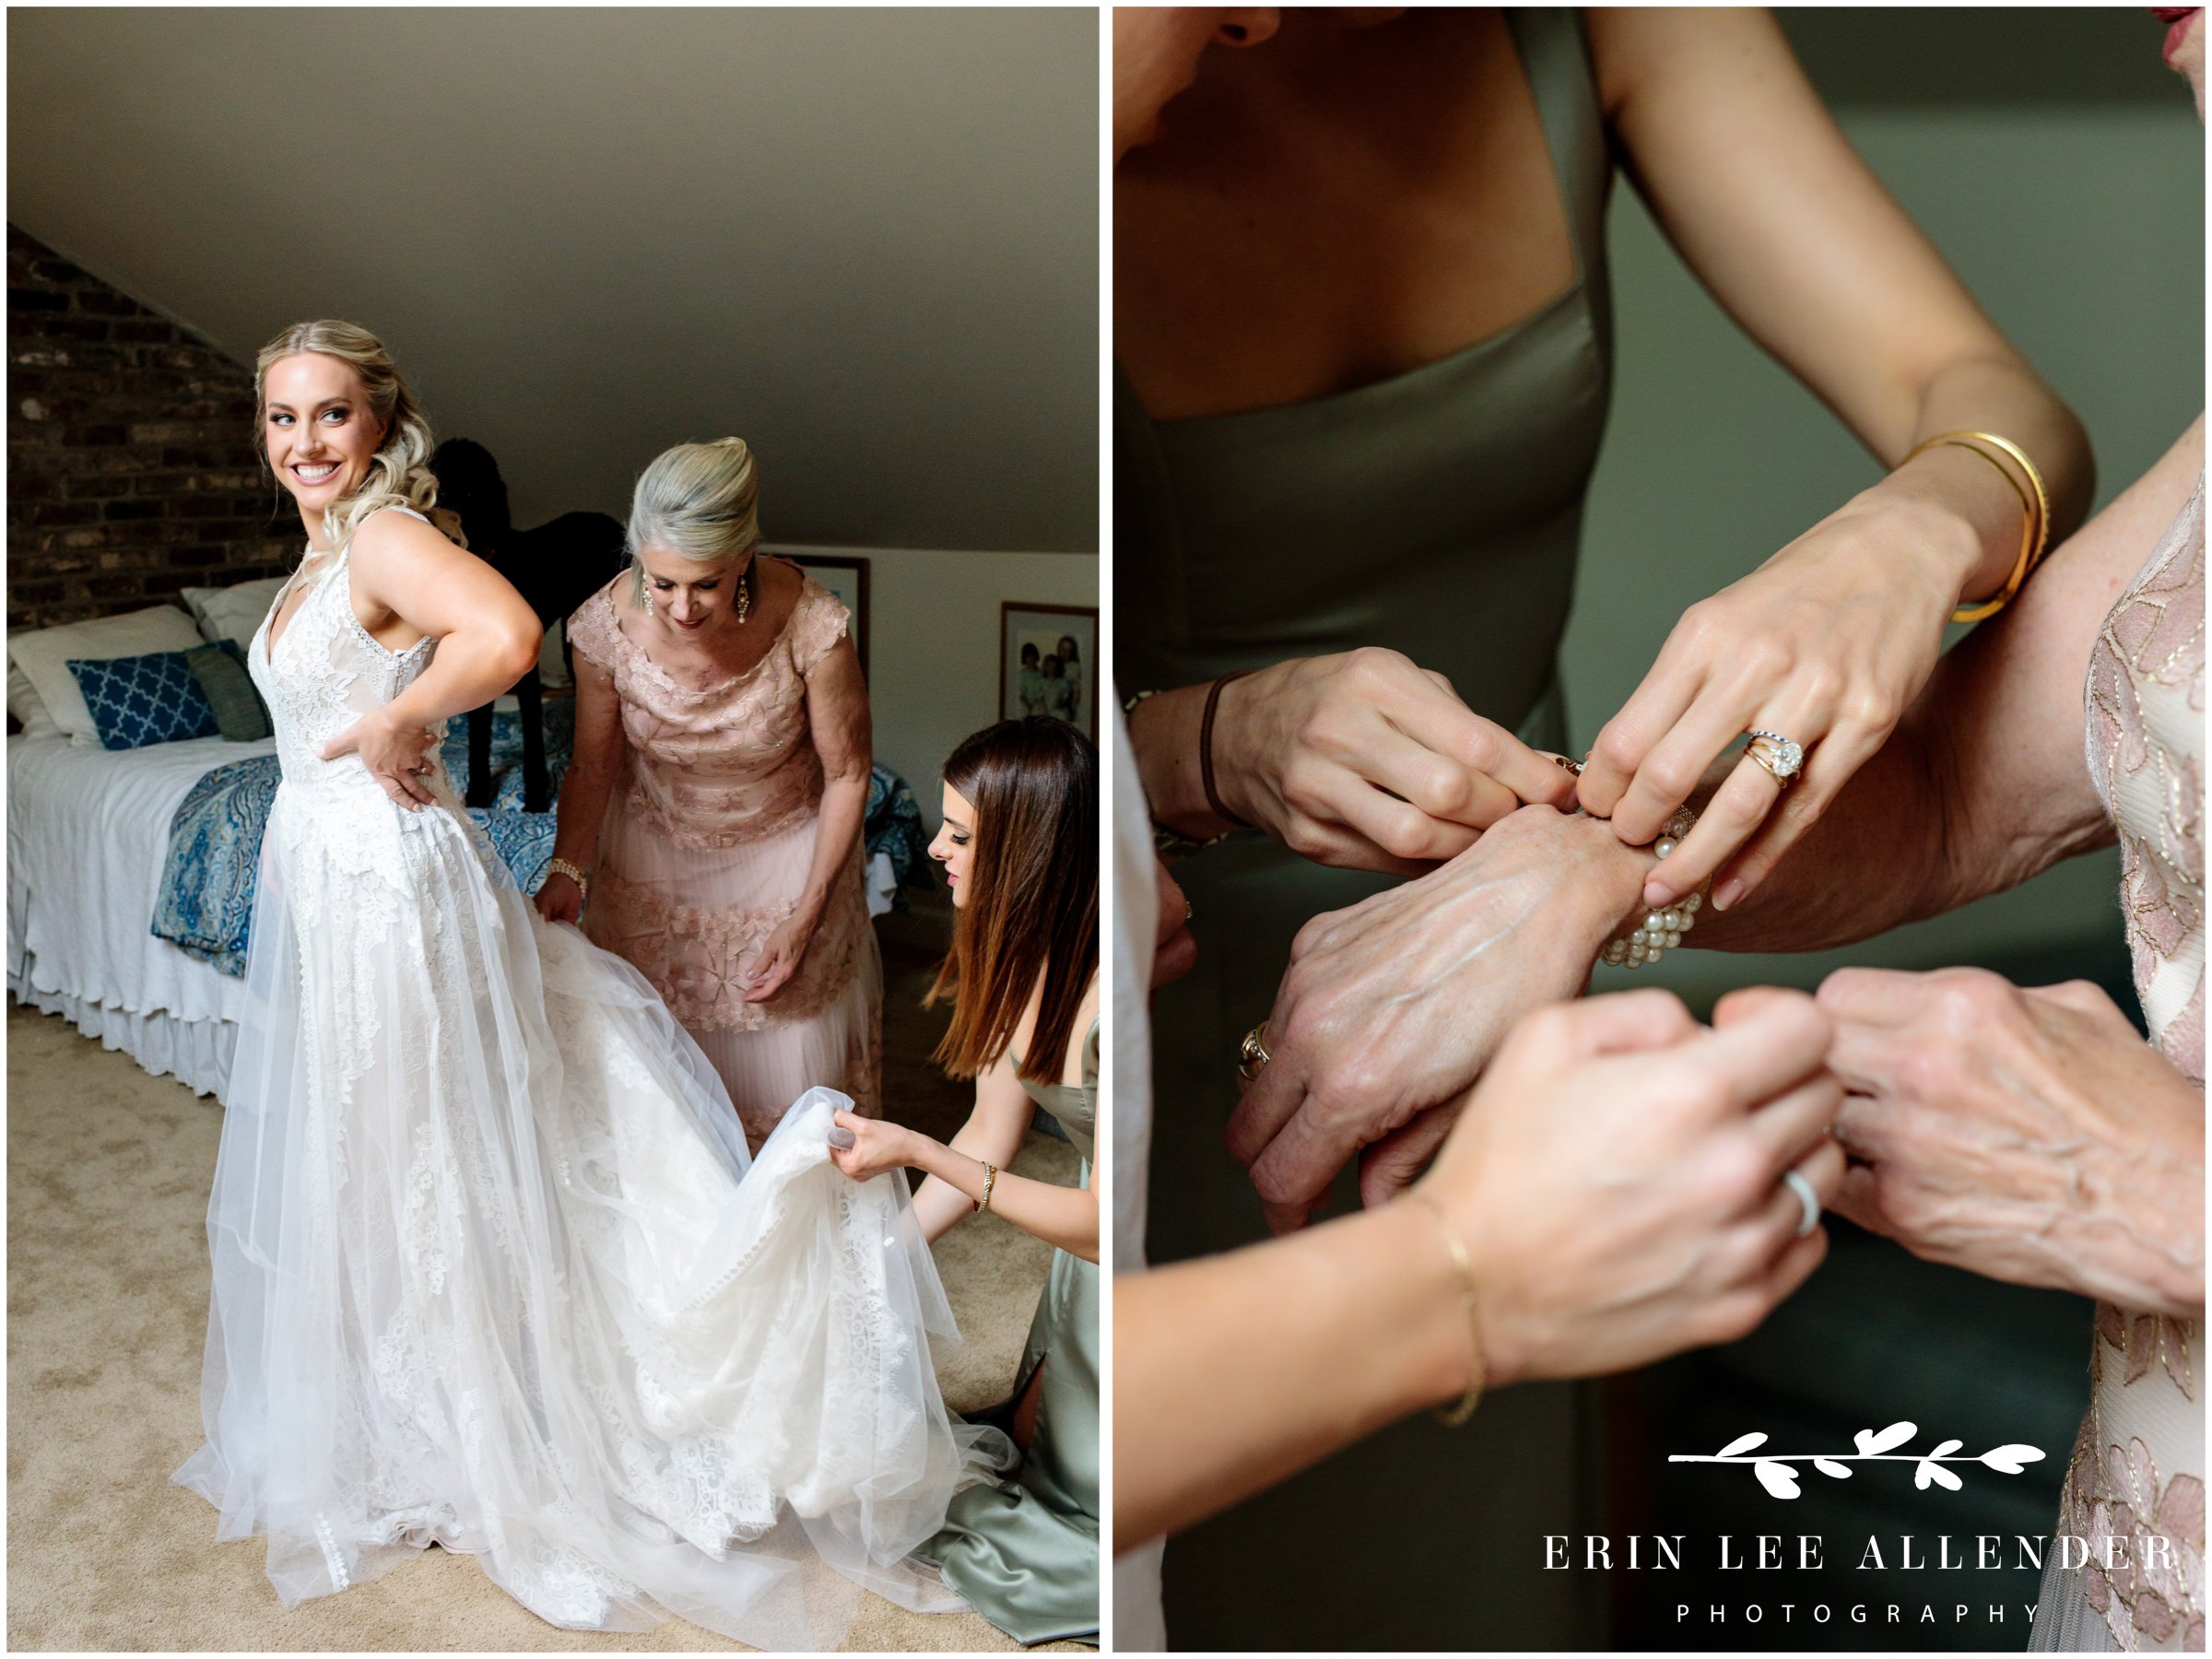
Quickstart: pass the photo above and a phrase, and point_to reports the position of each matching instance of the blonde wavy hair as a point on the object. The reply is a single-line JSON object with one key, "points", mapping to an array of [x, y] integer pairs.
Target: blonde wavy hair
{"points": [[399, 473], [700, 502]]}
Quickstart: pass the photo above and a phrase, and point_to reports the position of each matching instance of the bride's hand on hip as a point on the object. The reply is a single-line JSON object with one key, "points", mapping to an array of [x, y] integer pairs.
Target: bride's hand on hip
{"points": [[2030, 1136], [397, 757], [779, 959], [1391, 1007], [1826, 644], [1618, 1179], [1361, 760], [877, 1147]]}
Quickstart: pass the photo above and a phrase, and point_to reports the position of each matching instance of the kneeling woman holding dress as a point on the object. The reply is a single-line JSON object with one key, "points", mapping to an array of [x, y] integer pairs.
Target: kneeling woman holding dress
{"points": [[1019, 846], [720, 778]]}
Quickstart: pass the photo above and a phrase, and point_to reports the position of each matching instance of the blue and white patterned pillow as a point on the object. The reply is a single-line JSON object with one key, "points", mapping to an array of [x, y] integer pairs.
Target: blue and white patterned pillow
{"points": [[138, 701]]}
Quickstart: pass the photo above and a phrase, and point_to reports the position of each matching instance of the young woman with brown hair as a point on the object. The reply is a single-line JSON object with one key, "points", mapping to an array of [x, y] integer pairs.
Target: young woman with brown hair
{"points": [[1020, 845]]}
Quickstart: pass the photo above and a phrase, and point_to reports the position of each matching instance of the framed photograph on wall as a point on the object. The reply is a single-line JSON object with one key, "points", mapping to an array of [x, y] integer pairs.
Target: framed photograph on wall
{"points": [[1048, 664], [848, 579]]}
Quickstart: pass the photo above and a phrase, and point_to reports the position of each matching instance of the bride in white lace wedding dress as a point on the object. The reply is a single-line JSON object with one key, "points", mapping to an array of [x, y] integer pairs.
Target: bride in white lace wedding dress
{"points": [[490, 1269]]}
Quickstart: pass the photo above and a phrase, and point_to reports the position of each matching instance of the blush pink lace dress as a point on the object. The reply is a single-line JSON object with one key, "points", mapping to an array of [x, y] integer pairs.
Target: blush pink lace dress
{"points": [[2136, 1477], [708, 838]]}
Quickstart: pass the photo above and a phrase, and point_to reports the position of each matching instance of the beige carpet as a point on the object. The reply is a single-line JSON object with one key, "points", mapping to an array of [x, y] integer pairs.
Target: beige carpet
{"points": [[108, 1176]]}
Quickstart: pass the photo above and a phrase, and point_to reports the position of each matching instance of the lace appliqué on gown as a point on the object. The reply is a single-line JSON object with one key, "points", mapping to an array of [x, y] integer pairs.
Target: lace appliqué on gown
{"points": [[720, 765], [491, 1265], [2136, 1476], [692, 953], [706, 850]]}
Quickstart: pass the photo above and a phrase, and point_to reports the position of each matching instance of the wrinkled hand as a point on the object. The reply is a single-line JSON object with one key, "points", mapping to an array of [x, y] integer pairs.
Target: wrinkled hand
{"points": [[1393, 1006], [779, 959], [1174, 952], [1827, 643], [1616, 1178], [878, 1146], [561, 900], [2030, 1136], [396, 757], [1365, 762]]}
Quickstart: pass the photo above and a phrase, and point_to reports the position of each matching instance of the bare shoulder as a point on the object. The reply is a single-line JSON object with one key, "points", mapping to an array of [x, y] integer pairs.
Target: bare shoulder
{"points": [[779, 585], [391, 535]]}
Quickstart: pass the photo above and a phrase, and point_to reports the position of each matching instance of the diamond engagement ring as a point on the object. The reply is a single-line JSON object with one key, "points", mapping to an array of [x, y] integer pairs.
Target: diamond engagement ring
{"points": [[1252, 1054], [1778, 754]]}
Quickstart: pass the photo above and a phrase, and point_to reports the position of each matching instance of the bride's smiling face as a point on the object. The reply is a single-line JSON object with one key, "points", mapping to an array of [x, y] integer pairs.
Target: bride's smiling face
{"points": [[954, 845], [317, 429]]}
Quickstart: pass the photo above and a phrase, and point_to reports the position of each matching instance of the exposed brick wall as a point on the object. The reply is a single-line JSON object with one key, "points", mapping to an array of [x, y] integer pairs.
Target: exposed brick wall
{"points": [[131, 466]]}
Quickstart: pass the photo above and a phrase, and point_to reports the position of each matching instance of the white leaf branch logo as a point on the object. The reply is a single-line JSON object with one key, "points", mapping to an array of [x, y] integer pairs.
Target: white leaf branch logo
{"points": [[1874, 1446]]}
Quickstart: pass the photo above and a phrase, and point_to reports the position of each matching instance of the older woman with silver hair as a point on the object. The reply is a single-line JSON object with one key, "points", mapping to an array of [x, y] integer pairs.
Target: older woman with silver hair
{"points": [[711, 816]]}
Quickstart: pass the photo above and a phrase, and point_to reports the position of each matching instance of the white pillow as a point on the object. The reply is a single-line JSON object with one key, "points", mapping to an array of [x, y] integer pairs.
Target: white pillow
{"points": [[234, 612], [43, 657], [25, 704]]}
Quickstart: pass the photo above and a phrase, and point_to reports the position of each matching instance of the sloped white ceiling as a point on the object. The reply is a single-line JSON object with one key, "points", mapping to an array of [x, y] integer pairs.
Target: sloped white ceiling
{"points": [[864, 239]]}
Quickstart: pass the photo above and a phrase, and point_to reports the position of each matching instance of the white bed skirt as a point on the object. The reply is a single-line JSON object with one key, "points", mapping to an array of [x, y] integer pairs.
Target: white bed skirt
{"points": [[88, 835], [194, 1052]]}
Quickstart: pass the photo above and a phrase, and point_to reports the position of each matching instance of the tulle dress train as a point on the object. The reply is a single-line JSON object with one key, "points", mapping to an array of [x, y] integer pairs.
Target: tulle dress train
{"points": [[492, 1268]]}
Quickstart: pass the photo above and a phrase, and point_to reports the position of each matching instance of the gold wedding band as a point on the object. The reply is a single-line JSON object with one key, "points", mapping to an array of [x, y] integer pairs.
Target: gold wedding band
{"points": [[1251, 1054]]}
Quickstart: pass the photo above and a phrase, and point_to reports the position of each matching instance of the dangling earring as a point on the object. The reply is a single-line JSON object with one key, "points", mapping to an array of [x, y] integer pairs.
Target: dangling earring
{"points": [[648, 602], [744, 594]]}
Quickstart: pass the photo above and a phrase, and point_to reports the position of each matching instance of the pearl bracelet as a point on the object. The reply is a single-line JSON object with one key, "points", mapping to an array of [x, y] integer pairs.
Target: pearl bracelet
{"points": [[1660, 931]]}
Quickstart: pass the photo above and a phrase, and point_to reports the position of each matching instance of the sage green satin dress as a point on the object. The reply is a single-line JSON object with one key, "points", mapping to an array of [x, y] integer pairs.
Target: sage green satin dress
{"points": [[1025, 1553], [1438, 513]]}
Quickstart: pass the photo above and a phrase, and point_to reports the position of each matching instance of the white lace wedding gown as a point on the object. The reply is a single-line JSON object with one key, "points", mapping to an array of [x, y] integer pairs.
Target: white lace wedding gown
{"points": [[490, 1266]]}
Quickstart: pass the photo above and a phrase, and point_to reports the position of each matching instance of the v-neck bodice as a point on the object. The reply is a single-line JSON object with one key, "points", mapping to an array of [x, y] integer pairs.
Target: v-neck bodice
{"points": [[320, 674]]}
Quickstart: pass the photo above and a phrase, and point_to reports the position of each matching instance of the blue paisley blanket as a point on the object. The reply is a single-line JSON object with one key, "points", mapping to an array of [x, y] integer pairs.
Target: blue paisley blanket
{"points": [[205, 907]]}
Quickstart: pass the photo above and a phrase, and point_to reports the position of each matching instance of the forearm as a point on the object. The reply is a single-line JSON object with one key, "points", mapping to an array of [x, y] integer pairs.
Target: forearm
{"points": [[1750, 176], [1164, 732], [844, 804], [1969, 506], [1874, 861], [471, 668], [937, 1202], [1235, 1373], [1982, 784], [585, 788], [1066, 1217]]}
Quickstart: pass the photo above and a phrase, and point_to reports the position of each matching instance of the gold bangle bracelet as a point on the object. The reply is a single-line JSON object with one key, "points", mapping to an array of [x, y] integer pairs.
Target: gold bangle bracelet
{"points": [[1453, 1414], [989, 1176], [2035, 531]]}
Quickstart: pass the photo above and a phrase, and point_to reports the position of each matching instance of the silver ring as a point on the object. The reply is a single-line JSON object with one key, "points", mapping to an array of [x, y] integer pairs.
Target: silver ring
{"points": [[1781, 756], [1806, 1195]]}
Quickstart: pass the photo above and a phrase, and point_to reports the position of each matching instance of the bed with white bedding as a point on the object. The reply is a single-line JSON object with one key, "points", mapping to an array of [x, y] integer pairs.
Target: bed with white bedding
{"points": [[88, 840], [92, 852]]}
